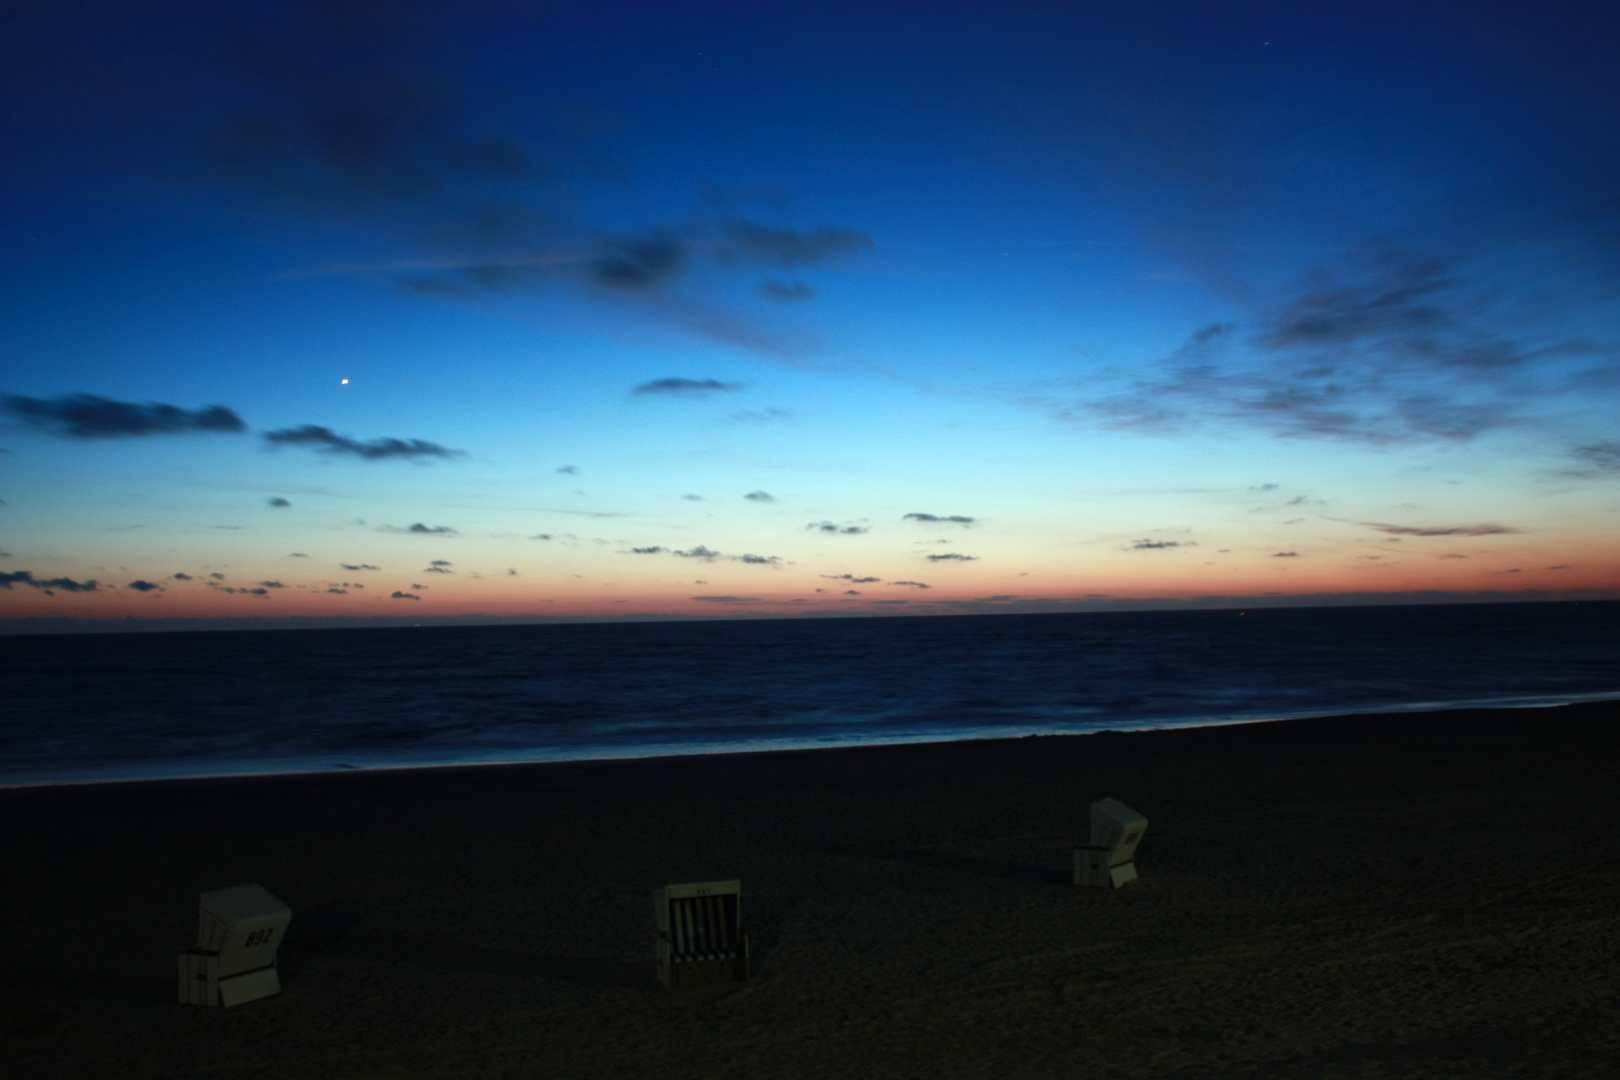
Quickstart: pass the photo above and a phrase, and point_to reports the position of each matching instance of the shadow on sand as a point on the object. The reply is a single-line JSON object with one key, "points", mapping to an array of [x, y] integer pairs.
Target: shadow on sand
{"points": [[937, 860]]}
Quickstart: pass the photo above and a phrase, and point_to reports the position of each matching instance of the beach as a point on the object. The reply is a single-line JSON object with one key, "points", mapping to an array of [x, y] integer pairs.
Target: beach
{"points": [[1398, 895]]}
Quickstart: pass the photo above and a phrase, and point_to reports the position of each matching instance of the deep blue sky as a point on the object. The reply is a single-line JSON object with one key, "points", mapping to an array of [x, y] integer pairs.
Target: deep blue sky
{"points": [[673, 308]]}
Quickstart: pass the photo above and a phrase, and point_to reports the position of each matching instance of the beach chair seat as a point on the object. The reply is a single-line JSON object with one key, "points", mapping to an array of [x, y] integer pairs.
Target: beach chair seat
{"points": [[701, 941], [1107, 860], [238, 932]]}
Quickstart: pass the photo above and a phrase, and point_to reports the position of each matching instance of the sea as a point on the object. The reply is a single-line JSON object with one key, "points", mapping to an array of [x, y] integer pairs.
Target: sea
{"points": [[117, 707]]}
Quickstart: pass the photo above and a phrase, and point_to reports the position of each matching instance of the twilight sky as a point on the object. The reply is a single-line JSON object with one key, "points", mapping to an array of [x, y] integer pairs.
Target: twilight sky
{"points": [[374, 309]]}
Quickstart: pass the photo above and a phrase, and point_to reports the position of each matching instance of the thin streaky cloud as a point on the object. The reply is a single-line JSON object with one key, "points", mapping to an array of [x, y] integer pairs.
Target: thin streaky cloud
{"points": [[1439, 530], [944, 519], [327, 441], [674, 386], [744, 240]]}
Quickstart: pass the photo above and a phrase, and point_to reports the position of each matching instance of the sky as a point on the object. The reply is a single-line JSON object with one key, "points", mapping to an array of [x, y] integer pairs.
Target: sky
{"points": [[380, 310]]}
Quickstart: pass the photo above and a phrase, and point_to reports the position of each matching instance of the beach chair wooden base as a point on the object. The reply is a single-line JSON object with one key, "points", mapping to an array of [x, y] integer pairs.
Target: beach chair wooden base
{"points": [[691, 974], [1091, 869], [200, 982]]}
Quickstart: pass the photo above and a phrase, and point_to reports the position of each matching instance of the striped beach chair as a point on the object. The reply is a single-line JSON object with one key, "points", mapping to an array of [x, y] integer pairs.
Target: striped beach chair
{"points": [[1108, 860], [238, 932], [701, 941]]}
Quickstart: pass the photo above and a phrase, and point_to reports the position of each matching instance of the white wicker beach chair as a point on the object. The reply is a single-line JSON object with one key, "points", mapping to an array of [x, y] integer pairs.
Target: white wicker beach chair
{"points": [[701, 941], [238, 932], [1107, 861]]}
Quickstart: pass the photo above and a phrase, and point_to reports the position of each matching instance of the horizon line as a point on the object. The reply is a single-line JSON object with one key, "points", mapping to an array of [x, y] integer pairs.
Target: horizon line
{"points": [[44, 625]]}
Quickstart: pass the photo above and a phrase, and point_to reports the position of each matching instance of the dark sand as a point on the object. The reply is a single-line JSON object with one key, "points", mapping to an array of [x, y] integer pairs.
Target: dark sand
{"points": [[1432, 895]]}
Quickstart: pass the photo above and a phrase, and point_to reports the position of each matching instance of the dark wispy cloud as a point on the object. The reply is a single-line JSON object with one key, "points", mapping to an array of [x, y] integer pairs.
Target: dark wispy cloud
{"points": [[850, 578], [1154, 545], [327, 441], [760, 496], [86, 416], [834, 529], [1385, 346], [951, 556], [760, 416], [1285, 555], [786, 291], [678, 387], [141, 585], [913, 584], [728, 599], [49, 585], [335, 591], [279, 501], [638, 262], [397, 595], [698, 552], [337, 138], [272, 585], [344, 117], [182, 576], [359, 566], [750, 241], [1439, 530], [419, 529], [946, 519], [706, 554], [586, 513], [1596, 459]]}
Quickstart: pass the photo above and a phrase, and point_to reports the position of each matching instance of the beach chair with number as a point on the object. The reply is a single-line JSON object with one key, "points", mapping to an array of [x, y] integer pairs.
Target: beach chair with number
{"points": [[238, 932], [1107, 861], [701, 941]]}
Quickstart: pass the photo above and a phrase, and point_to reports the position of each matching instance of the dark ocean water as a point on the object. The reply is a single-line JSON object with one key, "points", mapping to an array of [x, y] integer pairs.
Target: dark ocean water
{"points": [[116, 706]]}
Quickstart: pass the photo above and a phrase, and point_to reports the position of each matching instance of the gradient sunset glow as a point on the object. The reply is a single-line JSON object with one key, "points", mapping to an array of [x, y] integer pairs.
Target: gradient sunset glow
{"points": [[362, 310]]}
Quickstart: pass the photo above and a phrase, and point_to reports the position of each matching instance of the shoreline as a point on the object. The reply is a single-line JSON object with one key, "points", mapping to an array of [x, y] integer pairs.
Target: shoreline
{"points": [[338, 769], [1434, 894]]}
